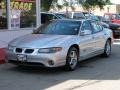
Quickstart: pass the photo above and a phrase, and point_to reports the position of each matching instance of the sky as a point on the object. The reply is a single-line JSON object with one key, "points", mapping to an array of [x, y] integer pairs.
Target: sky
{"points": [[115, 1]]}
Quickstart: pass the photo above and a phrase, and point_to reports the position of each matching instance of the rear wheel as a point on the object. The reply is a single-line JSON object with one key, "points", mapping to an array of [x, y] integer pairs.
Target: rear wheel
{"points": [[72, 59], [107, 49]]}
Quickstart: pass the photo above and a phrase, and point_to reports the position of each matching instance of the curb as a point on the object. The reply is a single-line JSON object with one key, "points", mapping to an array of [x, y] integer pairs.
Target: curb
{"points": [[2, 55]]}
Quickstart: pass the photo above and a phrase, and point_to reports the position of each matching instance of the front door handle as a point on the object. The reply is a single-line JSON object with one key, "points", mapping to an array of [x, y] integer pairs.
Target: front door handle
{"points": [[93, 37]]}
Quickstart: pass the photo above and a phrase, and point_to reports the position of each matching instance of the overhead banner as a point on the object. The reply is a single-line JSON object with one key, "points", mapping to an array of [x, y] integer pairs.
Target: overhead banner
{"points": [[19, 4], [2, 5], [18, 7], [22, 4]]}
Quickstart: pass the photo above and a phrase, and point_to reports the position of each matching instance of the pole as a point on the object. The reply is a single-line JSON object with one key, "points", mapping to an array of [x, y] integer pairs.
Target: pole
{"points": [[8, 14], [38, 13]]}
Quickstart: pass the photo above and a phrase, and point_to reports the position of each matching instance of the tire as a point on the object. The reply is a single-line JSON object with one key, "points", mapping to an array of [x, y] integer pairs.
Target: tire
{"points": [[72, 59], [107, 49]]}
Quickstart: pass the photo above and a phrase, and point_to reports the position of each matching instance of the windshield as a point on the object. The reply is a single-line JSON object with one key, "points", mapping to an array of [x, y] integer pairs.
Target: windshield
{"points": [[59, 28]]}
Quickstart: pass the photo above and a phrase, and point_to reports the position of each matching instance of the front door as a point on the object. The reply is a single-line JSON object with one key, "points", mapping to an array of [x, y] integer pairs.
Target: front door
{"points": [[98, 36], [87, 42]]}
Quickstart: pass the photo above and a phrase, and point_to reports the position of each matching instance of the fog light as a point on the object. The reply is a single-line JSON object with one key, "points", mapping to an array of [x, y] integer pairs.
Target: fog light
{"points": [[51, 62]]}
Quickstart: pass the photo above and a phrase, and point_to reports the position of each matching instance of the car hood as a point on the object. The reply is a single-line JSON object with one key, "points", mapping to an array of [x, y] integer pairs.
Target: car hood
{"points": [[39, 40]]}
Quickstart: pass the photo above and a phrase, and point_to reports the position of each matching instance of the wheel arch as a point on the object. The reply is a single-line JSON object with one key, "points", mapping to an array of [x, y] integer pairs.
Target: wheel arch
{"points": [[109, 40], [76, 46]]}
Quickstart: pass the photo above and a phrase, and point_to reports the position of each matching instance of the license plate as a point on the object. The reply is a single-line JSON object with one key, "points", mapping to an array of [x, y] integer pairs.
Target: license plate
{"points": [[22, 57]]}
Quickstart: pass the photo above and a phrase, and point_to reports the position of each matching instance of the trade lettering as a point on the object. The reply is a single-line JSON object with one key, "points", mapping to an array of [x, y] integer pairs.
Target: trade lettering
{"points": [[18, 5], [21, 6], [2, 5]]}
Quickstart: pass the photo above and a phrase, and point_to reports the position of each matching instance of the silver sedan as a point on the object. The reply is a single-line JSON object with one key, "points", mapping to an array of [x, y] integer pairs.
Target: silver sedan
{"points": [[61, 43]]}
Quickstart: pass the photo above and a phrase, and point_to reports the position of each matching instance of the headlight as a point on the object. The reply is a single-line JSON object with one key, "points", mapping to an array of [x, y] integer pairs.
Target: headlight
{"points": [[50, 50], [10, 48]]}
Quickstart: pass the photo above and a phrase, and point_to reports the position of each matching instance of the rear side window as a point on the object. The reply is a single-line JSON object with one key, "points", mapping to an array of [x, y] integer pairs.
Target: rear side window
{"points": [[96, 27], [86, 26]]}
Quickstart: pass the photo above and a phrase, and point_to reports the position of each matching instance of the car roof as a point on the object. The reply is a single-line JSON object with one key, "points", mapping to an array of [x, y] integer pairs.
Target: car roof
{"points": [[82, 20]]}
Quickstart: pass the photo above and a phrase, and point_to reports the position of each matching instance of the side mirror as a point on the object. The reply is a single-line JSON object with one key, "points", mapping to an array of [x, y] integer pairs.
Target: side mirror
{"points": [[86, 32]]}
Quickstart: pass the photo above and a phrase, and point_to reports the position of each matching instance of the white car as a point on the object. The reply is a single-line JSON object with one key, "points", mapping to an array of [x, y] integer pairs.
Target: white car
{"points": [[61, 43]]}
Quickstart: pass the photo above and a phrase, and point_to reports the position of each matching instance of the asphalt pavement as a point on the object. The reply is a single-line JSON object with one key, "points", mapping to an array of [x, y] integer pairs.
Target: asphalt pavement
{"points": [[97, 73]]}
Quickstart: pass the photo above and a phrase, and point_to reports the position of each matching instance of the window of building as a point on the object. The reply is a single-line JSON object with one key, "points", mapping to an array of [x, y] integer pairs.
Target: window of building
{"points": [[23, 13], [3, 15]]}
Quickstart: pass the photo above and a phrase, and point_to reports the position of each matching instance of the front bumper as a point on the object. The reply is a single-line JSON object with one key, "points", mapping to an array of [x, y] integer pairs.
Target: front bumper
{"points": [[35, 59]]}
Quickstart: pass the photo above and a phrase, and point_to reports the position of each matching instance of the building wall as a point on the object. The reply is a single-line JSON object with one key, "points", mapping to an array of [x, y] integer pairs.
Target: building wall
{"points": [[106, 9], [118, 8], [7, 36], [97, 11]]}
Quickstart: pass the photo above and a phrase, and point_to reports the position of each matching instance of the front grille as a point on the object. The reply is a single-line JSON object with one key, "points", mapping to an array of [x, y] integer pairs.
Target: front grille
{"points": [[29, 51], [23, 50], [19, 50]]}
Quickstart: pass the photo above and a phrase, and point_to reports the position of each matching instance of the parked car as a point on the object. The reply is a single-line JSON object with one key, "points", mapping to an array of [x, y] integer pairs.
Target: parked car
{"points": [[76, 15], [113, 26], [46, 17], [103, 19], [87, 14], [61, 43], [114, 18], [95, 18]]}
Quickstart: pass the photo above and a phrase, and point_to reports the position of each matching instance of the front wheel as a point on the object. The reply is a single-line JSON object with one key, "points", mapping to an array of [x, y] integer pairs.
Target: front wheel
{"points": [[107, 49], [72, 59]]}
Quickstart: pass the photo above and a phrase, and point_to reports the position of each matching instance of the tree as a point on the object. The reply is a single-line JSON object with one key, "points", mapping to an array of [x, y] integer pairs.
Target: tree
{"points": [[46, 5], [87, 4], [90, 5]]}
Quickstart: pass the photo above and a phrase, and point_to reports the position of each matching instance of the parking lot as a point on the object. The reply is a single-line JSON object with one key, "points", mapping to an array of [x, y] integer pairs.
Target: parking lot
{"points": [[97, 73]]}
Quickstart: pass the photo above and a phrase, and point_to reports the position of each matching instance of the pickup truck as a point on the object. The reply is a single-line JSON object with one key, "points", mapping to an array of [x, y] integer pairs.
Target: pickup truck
{"points": [[114, 18]]}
